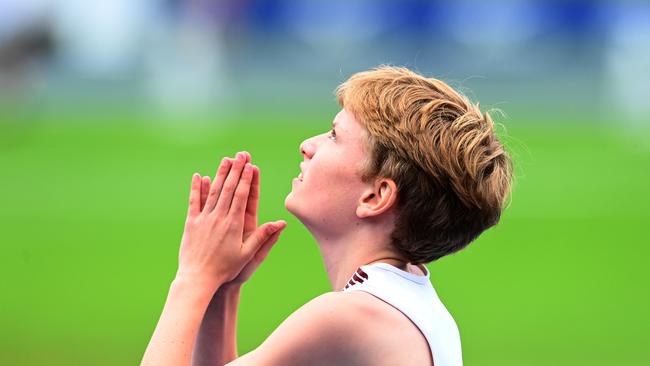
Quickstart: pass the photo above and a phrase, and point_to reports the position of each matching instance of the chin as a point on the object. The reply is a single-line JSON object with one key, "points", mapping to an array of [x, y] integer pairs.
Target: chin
{"points": [[289, 204], [292, 206]]}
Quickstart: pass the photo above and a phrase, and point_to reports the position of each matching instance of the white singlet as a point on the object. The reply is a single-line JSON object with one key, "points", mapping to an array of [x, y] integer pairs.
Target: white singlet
{"points": [[415, 297]]}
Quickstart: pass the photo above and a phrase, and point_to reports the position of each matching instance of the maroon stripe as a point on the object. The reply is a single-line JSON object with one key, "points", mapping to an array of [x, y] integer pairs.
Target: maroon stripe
{"points": [[362, 273], [357, 278], [351, 282]]}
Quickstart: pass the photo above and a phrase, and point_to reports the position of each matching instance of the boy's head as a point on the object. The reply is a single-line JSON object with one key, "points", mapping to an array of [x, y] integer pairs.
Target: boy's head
{"points": [[452, 174]]}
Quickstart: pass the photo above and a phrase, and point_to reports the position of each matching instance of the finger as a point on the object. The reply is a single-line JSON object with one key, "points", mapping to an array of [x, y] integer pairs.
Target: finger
{"points": [[247, 155], [195, 196], [229, 186], [238, 205], [205, 189], [261, 236], [250, 217], [217, 184]]}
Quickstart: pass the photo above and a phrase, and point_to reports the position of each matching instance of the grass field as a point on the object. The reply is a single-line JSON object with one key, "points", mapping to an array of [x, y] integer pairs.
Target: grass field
{"points": [[92, 216]]}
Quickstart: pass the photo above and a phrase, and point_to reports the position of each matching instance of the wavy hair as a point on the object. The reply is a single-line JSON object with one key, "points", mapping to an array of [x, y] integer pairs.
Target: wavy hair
{"points": [[453, 175]]}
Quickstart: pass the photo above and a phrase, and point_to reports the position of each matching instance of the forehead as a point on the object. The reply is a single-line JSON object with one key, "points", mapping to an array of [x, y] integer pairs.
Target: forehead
{"points": [[352, 134], [345, 121]]}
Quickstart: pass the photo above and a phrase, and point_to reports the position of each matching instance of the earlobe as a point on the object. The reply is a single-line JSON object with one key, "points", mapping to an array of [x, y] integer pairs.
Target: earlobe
{"points": [[377, 199]]}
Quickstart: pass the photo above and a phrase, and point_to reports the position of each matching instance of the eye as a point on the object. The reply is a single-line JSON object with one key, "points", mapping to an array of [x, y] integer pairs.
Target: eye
{"points": [[332, 135]]}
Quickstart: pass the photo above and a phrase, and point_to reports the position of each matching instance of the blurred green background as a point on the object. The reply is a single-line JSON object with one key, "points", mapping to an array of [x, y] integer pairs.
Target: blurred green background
{"points": [[92, 217], [108, 107]]}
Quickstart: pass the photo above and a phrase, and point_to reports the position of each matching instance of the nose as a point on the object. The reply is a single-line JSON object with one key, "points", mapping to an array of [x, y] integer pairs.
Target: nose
{"points": [[308, 147]]}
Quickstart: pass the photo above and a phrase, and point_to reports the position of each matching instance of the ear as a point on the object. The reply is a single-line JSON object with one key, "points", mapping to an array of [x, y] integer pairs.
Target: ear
{"points": [[378, 198]]}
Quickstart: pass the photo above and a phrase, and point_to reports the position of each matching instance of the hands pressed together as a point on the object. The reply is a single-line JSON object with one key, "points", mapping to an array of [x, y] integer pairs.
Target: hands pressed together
{"points": [[222, 243]]}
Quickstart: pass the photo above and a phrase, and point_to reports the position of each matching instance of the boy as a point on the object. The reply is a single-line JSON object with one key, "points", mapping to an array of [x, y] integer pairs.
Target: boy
{"points": [[410, 172]]}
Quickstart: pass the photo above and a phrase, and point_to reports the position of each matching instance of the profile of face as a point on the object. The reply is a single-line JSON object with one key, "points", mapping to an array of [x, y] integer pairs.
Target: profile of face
{"points": [[326, 194]]}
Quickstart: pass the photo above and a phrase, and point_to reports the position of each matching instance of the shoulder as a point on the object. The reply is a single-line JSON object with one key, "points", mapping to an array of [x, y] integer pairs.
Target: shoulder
{"points": [[344, 308], [329, 329]]}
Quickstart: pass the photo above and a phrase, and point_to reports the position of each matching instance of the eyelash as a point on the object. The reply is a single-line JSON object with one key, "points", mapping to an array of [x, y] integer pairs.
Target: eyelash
{"points": [[332, 135]]}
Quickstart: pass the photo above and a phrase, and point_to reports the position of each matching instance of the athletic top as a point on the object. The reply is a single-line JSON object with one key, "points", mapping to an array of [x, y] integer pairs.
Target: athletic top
{"points": [[415, 297]]}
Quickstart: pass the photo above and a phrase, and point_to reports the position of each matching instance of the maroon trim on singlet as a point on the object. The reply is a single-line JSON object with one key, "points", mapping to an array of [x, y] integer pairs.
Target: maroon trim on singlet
{"points": [[358, 277], [362, 273]]}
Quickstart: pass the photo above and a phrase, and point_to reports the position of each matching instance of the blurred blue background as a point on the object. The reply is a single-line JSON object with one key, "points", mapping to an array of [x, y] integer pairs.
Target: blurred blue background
{"points": [[107, 108], [219, 55]]}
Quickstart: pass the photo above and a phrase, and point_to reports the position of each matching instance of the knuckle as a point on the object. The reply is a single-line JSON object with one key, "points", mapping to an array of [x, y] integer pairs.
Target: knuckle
{"points": [[224, 167], [230, 186], [229, 221], [190, 222]]}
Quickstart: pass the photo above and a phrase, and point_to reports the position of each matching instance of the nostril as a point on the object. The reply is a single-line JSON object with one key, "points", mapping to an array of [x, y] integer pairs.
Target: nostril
{"points": [[304, 149]]}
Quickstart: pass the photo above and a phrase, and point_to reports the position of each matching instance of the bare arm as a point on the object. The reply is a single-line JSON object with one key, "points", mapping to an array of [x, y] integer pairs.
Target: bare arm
{"points": [[217, 339], [216, 343], [175, 333], [328, 330], [213, 252]]}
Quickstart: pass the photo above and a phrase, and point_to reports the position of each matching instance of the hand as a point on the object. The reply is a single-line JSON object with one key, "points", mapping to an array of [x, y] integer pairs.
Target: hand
{"points": [[214, 249], [250, 224]]}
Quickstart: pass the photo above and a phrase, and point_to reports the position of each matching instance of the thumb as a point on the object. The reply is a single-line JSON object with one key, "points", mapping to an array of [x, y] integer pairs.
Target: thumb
{"points": [[261, 235], [266, 247]]}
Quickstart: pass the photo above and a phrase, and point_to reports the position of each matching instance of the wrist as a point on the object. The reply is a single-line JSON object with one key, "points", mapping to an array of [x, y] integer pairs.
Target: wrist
{"points": [[195, 286], [230, 287], [227, 295]]}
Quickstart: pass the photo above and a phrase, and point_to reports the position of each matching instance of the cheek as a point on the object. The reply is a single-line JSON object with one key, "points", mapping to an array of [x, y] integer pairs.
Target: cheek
{"points": [[328, 195], [330, 175], [334, 186]]}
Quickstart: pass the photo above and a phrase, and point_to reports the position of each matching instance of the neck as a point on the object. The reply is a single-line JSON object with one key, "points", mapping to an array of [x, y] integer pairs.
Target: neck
{"points": [[343, 254]]}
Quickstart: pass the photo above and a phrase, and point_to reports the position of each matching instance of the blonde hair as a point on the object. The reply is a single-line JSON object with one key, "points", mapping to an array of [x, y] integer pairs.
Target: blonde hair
{"points": [[452, 174]]}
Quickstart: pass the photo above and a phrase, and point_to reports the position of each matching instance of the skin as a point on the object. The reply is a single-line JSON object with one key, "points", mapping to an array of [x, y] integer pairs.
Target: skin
{"points": [[213, 252], [222, 246], [350, 220]]}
